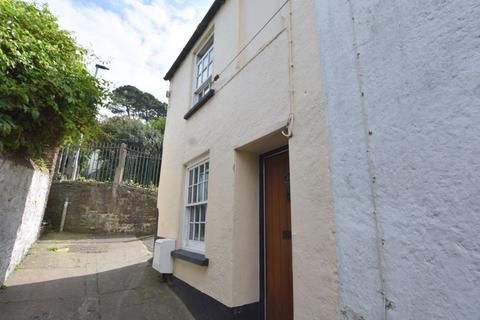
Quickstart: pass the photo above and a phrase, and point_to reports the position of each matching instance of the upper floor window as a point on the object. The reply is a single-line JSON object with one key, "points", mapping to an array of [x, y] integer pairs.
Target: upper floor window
{"points": [[204, 71]]}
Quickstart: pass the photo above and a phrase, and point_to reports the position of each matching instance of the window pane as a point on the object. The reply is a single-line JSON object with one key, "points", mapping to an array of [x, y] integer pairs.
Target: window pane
{"points": [[190, 179], [195, 179], [194, 197], [200, 192], [189, 199], [197, 227], [210, 70], [197, 213], [210, 56], [191, 213], [190, 233], [202, 213], [202, 232], [202, 168]]}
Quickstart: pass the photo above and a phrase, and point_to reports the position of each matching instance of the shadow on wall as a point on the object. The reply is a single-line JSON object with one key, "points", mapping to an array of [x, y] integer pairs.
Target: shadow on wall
{"points": [[16, 188], [132, 292]]}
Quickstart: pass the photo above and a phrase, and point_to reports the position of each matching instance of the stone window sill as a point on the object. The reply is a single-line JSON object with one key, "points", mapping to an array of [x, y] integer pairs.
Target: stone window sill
{"points": [[199, 104], [195, 258]]}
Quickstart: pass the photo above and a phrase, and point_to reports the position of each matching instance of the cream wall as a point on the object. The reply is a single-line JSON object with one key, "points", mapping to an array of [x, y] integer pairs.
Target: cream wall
{"points": [[252, 101], [313, 229]]}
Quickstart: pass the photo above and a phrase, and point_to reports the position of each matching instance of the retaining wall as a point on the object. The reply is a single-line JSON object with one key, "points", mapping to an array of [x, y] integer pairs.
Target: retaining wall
{"points": [[98, 208], [23, 195]]}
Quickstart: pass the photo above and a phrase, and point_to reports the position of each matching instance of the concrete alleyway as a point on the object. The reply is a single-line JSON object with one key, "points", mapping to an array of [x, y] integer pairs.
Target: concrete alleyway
{"points": [[72, 276]]}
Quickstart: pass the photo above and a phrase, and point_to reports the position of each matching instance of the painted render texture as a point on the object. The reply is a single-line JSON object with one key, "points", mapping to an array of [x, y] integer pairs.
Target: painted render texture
{"points": [[384, 157], [242, 121], [402, 93], [23, 196]]}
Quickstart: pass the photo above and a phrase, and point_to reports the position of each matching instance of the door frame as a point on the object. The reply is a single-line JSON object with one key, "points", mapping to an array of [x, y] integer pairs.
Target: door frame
{"points": [[262, 278]]}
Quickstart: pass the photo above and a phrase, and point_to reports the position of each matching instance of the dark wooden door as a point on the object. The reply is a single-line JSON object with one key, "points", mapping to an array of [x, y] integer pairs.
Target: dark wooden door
{"points": [[278, 244]]}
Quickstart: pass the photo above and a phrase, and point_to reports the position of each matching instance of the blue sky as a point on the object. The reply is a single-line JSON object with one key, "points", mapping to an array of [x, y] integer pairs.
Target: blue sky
{"points": [[137, 39]]}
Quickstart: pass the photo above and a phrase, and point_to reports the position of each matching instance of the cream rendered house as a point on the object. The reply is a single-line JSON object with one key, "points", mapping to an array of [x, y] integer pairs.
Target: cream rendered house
{"points": [[321, 161]]}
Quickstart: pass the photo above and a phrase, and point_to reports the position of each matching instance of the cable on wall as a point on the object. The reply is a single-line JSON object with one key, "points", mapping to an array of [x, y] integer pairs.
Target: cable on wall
{"points": [[217, 76], [287, 132]]}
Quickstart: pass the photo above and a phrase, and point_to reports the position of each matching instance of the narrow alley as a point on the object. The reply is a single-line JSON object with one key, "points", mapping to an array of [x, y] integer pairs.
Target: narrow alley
{"points": [[76, 276]]}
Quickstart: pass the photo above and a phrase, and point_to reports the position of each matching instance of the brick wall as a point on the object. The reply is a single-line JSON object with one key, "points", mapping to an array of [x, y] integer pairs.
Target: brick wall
{"points": [[96, 208]]}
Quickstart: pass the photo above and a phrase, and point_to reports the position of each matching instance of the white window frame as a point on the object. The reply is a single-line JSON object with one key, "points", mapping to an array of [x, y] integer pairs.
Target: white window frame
{"points": [[190, 241], [203, 73]]}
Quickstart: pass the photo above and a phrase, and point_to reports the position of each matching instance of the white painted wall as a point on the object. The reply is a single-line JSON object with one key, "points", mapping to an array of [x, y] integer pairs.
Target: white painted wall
{"points": [[408, 71], [23, 195]]}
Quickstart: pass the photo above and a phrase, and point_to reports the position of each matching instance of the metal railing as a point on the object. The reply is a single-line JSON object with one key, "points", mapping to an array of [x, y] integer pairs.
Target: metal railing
{"points": [[141, 168], [109, 162]]}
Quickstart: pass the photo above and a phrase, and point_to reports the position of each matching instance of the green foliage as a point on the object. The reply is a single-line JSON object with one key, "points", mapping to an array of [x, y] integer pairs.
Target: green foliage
{"points": [[47, 96], [134, 133], [159, 124], [130, 101], [131, 183], [41, 164]]}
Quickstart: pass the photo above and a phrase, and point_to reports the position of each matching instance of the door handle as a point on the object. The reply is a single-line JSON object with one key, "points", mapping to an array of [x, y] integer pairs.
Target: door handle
{"points": [[287, 234]]}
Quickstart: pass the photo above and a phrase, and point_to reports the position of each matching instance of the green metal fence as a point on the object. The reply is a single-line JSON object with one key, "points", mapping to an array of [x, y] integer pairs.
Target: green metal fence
{"points": [[141, 168], [103, 162]]}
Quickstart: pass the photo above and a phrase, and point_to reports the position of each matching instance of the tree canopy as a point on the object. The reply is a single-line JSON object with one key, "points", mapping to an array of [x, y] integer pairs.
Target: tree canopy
{"points": [[131, 101], [47, 95], [134, 132]]}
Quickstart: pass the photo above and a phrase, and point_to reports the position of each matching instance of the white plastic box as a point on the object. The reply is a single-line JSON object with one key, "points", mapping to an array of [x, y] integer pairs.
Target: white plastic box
{"points": [[162, 259]]}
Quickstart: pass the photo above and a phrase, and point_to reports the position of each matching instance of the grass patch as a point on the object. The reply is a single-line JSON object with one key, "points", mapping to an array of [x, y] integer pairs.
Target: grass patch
{"points": [[58, 250], [3, 287]]}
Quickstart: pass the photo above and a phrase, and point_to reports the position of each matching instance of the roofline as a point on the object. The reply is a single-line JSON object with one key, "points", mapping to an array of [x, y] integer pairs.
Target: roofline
{"points": [[194, 38]]}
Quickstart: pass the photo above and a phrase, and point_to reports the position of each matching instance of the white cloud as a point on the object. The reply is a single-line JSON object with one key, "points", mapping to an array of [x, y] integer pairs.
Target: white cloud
{"points": [[138, 40]]}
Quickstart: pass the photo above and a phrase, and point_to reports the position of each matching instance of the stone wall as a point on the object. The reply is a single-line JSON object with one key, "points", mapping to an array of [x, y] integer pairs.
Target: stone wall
{"points": [[23, 195], [96, 208]]}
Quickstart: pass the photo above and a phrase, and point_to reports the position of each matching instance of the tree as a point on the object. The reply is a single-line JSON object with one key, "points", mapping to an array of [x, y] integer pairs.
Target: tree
{"points": [[47, 96], [133, 132], [133, 102], [159, 124]]}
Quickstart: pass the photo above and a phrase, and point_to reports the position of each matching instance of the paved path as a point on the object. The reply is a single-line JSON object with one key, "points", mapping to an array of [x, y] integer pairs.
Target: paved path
{"points": [[70, 276]]}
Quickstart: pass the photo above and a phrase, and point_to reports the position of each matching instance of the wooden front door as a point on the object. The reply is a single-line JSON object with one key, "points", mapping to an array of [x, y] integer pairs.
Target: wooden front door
{"points": [[278, 243]]}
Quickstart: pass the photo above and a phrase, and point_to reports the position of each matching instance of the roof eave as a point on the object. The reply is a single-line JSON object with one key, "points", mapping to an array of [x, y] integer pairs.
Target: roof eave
{"points": [[203, 25]]}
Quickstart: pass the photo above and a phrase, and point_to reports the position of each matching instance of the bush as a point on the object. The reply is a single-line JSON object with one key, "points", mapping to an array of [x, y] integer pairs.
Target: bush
{"points": [[147, 136], [47, 96]]}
